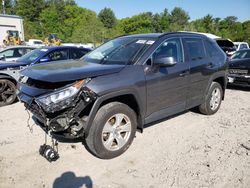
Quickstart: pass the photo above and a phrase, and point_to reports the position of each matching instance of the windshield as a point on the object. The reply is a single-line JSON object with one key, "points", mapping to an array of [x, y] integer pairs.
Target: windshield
{"points": [[33, 55], [118, 51], [241, 54]]}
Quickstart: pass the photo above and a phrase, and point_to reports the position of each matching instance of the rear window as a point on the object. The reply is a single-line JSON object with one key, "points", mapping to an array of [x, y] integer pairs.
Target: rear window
{"points": [[195, 48]]}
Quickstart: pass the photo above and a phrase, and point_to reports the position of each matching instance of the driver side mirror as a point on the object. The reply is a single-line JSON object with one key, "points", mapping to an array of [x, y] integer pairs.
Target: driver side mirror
{"points": [[164, 61], [3, 58]]}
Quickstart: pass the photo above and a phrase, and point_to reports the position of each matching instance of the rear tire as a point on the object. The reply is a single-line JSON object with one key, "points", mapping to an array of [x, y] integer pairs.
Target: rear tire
{"points": [[112, 130], [213, 100]]}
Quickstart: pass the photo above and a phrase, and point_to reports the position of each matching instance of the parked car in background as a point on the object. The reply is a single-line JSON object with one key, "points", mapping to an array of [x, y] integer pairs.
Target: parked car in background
{"points": [[35, 42], [241, 45], [52, 53], [14, 52], [239, 68], [9, 71], [124, 84], [86, 45]]}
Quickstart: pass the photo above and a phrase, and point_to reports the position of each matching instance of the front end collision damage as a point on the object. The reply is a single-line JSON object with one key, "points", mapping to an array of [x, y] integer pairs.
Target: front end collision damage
{"points": [[66, 121]]}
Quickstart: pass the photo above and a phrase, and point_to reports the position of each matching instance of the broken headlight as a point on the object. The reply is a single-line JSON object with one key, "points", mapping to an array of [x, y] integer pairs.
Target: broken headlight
{"points": [[60, 99]]}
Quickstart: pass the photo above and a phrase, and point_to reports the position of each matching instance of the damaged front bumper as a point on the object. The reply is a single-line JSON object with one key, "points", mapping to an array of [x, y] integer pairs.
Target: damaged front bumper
{"points": [[66, 124]]}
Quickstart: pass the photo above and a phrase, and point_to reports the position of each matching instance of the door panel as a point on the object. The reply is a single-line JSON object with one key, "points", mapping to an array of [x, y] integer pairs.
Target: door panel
{"points": [[167, 86], [201, 67]]}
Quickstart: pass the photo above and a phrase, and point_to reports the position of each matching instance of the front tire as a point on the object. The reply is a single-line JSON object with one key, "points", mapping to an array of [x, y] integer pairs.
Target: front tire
{"points": [[7, 92], [112, 130], [213, 99]]}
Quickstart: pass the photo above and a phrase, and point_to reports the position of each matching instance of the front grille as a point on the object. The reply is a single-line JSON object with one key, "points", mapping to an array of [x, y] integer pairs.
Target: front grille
{"points": [[238, 71]]}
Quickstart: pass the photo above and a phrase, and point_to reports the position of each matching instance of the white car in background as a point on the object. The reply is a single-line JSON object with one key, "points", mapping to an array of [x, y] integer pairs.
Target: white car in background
{"points": [[35, 42], [87, 45], [14, 52], [241, 45]]}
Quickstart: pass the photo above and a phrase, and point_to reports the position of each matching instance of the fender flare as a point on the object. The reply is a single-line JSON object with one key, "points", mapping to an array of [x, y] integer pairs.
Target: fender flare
{"points": [[111, 95], [216, 76]]}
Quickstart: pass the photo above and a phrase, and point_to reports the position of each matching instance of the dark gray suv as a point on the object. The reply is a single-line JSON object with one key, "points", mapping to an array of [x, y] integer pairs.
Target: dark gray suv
{"points": [[130, 81]]}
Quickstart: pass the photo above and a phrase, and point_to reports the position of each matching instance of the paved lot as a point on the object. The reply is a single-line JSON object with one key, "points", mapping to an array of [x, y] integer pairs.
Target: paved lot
{"points": [[189, 150]]}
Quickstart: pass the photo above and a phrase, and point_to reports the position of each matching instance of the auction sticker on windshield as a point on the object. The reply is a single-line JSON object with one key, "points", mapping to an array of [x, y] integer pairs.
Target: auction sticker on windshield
{"points": [[141, 41], [150, 42]]}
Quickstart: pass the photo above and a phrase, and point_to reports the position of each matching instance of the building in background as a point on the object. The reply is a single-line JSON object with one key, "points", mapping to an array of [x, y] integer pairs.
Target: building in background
{"points": [[10, 23]]}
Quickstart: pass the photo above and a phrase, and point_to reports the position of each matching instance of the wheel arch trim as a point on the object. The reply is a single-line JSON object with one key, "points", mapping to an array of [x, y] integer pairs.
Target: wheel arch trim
{"points": [[100, 100], [6, 76], [218, 76]]}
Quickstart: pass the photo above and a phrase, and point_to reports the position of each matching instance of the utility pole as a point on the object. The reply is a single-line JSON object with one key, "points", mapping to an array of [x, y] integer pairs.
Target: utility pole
{"points": [[3, 4]]}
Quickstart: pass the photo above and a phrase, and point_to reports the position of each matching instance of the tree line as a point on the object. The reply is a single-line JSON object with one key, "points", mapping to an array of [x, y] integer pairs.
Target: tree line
{"points": [[80, 25]]}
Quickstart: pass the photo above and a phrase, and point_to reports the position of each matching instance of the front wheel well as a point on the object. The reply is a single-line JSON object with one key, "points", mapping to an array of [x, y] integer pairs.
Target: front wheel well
{"points": [[129, 100], [9, 78]]}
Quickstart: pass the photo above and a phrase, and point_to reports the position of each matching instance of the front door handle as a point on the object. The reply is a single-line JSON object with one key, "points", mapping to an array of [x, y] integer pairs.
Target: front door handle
{"points": [[184, 73], [210, 65]]}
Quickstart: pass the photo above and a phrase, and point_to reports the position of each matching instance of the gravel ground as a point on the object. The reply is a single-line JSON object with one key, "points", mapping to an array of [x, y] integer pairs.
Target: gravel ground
{"points": [[188, 150]]}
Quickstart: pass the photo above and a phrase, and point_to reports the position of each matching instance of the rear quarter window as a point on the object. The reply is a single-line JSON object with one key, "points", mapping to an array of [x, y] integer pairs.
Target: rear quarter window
{"points": [[212, 48]]}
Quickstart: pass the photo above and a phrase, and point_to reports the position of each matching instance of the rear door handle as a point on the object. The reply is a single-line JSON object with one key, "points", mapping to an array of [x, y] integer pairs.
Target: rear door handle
{"points": [[184, 73]]}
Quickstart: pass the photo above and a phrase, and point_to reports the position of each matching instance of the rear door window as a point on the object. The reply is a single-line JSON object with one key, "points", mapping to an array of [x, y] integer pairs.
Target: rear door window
{"points": [[195, 48], [27, 50], [19, 52]]}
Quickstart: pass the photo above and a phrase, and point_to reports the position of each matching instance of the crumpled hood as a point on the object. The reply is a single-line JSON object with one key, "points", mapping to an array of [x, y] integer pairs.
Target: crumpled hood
{"points": [[68, 70], [14, 64]]}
